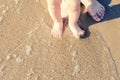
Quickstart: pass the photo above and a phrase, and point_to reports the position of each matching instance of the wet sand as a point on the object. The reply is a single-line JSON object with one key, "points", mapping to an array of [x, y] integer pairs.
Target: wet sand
{"points": [[28, 52]]}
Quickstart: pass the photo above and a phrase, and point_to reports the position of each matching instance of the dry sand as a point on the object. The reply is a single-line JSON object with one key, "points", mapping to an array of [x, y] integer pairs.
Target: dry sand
{"points": [[28, 52]]}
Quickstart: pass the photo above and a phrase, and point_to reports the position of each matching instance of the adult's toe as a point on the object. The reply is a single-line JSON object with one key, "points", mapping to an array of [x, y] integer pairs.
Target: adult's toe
{"points": [[96, 17]]}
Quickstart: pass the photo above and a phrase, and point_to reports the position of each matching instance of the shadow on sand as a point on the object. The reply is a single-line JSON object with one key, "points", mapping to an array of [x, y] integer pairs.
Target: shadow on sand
{"points": [[112, 12]]}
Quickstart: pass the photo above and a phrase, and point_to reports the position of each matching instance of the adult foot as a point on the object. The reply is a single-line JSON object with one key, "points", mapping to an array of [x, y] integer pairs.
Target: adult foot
{"points": [[95, 9], [76, 30], [57, 30]]}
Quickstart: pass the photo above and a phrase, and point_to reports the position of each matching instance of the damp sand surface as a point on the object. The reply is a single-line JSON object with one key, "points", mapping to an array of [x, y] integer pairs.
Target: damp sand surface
{"points": [[28, 52]]}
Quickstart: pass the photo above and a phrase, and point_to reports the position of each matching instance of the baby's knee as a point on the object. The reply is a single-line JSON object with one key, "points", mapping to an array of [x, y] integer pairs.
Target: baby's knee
{"points": [[53, 4]]}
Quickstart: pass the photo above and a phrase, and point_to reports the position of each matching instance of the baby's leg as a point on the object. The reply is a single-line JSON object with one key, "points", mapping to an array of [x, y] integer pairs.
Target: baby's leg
{"points": [[74, 13], [55, 13], [64, 8], [64, 12]]}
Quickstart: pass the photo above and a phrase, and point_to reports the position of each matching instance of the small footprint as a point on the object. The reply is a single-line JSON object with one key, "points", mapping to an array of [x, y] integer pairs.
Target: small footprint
{"points": [[37, 78], [76, 70], [28, 49], [1, 19], [19, 59], [77, 67], [2, 69], [30, 73], [17, 1], [8, 57], [15, 55], [5, 10]]}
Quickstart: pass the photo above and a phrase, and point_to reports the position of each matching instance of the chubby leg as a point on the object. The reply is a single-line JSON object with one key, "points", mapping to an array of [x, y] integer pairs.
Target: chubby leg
{"points": [[64, 12], [73, 14], [55, 13], [95, 9], [64, 8]]}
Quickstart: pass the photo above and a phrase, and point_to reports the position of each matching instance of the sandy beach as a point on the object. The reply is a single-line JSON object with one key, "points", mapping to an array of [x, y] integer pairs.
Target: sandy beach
{"points": [[28, 52]]}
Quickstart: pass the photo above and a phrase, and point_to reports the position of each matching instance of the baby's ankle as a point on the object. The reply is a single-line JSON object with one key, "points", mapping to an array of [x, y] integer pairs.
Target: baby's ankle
{"points": [[58, 24], [73, 24]]}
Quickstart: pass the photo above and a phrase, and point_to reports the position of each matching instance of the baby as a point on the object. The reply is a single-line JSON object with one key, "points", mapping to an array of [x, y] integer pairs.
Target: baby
{"points": [[59, 9]]}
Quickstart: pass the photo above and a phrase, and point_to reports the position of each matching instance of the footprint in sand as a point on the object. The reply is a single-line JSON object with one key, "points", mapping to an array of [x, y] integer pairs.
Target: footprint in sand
{"points": [[5, 9], [17, 1], [30, 74], [8, 57], [15, 55], [37, 78], [77, 67], [2, 69], [19, 59], [76, 70], [1, 19], [28, 49]]}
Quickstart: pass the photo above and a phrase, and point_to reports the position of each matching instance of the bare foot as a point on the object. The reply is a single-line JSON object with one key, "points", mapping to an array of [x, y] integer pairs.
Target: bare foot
{"points": [[57, 30], [76, 30], [95, 9]]}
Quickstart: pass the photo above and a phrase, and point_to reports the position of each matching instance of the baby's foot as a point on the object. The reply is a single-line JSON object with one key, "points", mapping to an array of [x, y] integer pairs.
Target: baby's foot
{"points": [[76, 30], [96, 10], [57, 30]]}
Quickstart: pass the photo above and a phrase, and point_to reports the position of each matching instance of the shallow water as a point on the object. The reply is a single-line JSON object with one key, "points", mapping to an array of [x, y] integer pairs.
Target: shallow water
{"points": [[28, 52]]}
